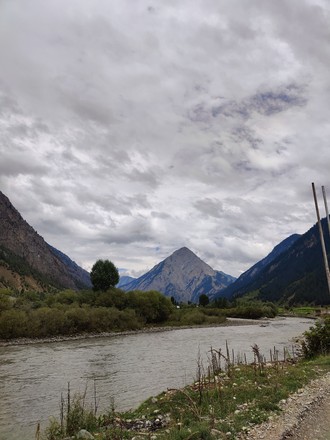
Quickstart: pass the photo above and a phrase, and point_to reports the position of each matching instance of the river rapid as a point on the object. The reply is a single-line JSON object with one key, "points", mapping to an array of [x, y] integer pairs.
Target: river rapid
{"points": [[126, 369]]}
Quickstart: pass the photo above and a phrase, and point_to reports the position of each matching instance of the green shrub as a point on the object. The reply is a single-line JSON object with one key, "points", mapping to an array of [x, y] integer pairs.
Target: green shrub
{"points": [[151, 306], [193, 317], [129, 320], [45, 322], [104, 319], [317, 339], [6, 302], [112, 298], [64, 297], [252, 310], [78, 319], [13, 324]]}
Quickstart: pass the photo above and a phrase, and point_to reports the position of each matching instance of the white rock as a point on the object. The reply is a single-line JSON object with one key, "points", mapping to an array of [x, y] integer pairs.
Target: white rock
{"points": [[85, 435]]}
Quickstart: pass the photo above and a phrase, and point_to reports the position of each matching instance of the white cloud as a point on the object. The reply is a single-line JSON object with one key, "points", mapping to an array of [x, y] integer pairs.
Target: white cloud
{"points": [[130, 129]]}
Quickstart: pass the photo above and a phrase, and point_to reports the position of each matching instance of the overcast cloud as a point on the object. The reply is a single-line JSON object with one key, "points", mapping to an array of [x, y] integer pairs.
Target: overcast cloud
{"points": [[129, 129]]}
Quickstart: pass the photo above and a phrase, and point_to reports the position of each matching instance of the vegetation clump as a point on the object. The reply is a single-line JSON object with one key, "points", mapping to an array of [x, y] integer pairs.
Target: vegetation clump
{"points": [[29, 314], [35, 315], [317, 339]]}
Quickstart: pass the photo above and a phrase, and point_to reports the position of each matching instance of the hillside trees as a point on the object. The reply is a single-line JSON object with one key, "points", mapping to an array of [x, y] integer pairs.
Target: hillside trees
{"points": [[104, 275]]}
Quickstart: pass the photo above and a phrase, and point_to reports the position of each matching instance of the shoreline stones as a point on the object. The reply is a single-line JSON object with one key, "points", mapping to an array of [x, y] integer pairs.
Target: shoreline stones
{"points": [[144, 424]]}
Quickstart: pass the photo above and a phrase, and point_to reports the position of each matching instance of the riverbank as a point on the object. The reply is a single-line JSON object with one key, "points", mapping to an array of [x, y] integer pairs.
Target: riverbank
{"points": [[61, 338], [273, 401]]}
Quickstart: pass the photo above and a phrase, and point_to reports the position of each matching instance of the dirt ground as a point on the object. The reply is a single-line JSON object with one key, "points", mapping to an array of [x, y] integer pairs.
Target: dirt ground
{"points": [[305, 416]]}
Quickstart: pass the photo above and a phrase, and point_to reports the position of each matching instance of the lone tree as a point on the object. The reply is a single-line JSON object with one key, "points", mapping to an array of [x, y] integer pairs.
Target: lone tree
{"points": [[104, 275], [203, 300]]}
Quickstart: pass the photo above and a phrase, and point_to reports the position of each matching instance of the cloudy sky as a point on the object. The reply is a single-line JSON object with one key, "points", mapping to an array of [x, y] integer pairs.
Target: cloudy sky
{"points": [[129, 129]]}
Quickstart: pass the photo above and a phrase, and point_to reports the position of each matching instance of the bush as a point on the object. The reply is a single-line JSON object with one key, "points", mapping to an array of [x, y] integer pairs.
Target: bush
{"points": [[129, 320], [317, 339], [13, 324], [63, 297], [193, 317], [6, 302], [78, 319], [45, 322], [151, 306], [253, 310], [112, 298], [104, 319]]}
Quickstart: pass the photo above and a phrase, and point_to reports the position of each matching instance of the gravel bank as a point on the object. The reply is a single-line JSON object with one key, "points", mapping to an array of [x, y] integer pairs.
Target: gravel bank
{"points": [[305, 416]]}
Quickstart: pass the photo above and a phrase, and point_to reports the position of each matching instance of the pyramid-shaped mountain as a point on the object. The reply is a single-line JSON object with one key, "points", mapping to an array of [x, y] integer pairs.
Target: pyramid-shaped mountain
{"points": [[183, 276], [295, 276], [27, 261]]}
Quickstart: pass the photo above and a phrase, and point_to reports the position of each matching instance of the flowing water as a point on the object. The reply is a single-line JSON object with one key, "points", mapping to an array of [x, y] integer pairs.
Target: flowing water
{"points": [[125, 368]]}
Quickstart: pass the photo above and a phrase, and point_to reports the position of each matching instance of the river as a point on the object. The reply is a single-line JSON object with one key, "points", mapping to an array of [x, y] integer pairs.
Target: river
{"points": [[125, 368]]}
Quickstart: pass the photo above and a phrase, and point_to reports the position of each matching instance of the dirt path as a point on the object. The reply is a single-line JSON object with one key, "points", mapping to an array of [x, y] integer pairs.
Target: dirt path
{"points": [[316, 425], [305, 416]]}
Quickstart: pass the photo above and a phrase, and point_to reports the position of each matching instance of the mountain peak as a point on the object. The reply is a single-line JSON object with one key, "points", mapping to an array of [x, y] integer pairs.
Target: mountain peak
{"points": [[183, 250], [182, 275]]}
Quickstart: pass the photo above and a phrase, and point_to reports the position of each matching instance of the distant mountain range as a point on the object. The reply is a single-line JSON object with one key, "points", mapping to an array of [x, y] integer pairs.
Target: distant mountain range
{"points": [[293, 273], [27, 262], [183, 276]]}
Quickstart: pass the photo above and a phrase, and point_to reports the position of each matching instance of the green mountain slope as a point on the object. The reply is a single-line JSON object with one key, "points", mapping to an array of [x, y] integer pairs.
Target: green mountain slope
{"points": [[296, 276]]}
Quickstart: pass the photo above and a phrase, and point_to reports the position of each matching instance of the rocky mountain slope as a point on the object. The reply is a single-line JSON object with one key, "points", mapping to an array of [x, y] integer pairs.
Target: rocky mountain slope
{"points": [[295, 276], [184, 276], [27, 261], [248, 277], [125, 279]]}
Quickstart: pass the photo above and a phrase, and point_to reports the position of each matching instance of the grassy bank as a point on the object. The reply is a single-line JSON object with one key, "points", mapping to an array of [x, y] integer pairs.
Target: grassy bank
{"points": [[225, 400]]}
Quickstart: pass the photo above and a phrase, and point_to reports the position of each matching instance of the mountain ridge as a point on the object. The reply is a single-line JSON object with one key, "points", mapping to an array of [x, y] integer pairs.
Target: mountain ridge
{"points": [[22, 245], [251, 274], [295, 276]]}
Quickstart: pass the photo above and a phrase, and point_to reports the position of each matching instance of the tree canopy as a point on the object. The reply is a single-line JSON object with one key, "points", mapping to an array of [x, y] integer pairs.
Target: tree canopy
{"points": [[104, 275]]}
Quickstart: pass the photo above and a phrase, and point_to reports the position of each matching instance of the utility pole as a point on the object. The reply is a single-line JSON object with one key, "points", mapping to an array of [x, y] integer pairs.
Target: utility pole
{"points": [[325, 258], [326, 208]]}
